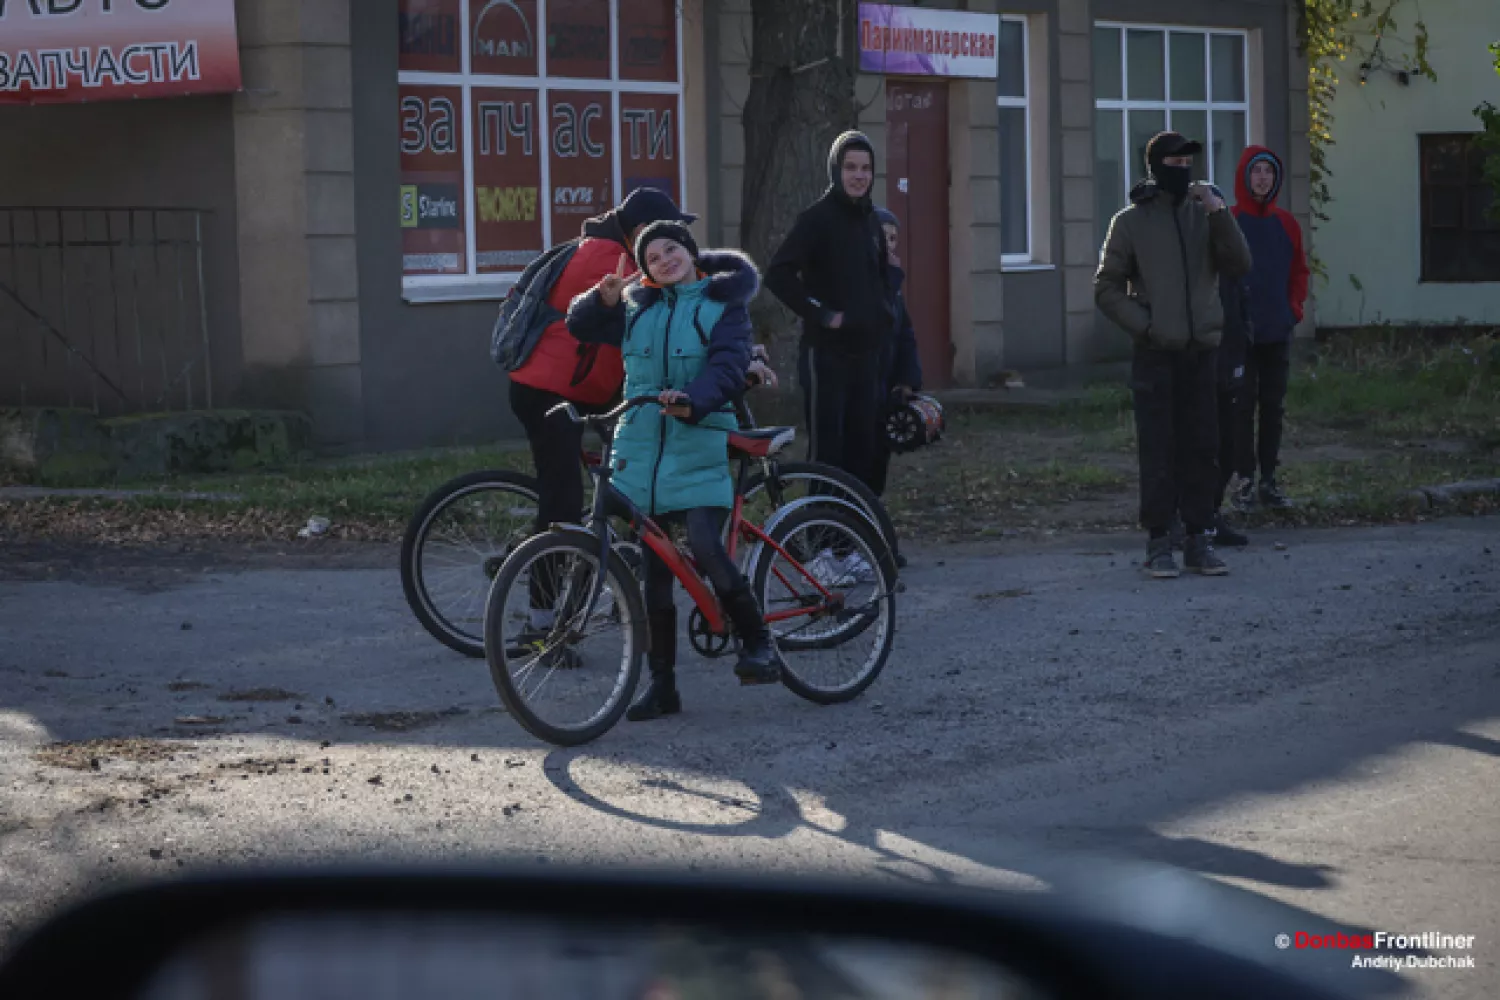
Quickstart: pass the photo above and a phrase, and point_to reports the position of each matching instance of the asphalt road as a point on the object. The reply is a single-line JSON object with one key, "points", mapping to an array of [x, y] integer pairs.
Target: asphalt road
{"points": [[1318, 735]]}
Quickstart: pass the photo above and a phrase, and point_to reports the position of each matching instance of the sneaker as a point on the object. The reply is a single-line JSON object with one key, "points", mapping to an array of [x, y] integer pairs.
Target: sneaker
{"points": [[1272, 497], [1244, 497], [854, 568], [1223, 534], [1199, 557], [1160, 565]]}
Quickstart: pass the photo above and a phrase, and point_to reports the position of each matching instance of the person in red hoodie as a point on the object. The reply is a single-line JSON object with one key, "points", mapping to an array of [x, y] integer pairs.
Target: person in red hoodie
{"points": [[560, 369], [1276, 288]]}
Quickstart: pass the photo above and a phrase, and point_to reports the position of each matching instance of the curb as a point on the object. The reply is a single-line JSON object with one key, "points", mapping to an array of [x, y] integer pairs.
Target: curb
{"points": [[1432, 497]]}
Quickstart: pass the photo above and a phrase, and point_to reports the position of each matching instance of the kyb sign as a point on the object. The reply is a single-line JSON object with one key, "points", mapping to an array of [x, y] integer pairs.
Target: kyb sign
{"points": [[72, 51]]}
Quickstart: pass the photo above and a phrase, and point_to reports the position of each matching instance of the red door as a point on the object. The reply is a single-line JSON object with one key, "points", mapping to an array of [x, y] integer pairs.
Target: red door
{"points": [[916, 117]]}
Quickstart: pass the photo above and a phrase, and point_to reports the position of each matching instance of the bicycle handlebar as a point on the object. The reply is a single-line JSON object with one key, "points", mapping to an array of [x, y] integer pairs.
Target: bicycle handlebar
{"points": [[601, 418]]}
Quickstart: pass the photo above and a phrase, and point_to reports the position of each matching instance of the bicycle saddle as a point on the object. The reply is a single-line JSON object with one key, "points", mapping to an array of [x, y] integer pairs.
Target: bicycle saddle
{"points": [[761, 442]]}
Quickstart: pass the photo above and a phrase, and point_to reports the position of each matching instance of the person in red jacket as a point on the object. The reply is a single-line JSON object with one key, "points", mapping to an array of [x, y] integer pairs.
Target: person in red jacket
{"points": [[560, 369], [1277, 294]]}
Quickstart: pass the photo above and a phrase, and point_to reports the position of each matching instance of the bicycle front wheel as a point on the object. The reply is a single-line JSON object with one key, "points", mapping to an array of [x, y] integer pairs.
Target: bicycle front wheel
{"points": [[454, 546], [566, 674], [827, 587]]}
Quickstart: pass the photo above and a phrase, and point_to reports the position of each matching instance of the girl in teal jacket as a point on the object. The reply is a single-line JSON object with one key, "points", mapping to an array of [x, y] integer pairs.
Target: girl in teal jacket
{"points": [[683, 328]]}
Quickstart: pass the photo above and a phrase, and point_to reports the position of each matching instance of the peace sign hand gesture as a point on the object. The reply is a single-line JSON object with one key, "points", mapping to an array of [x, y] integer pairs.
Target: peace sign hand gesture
{"points": [[611, 285]]}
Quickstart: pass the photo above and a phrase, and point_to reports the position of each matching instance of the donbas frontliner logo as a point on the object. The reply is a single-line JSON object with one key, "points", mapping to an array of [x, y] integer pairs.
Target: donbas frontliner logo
{"points": [[1379, 941]]}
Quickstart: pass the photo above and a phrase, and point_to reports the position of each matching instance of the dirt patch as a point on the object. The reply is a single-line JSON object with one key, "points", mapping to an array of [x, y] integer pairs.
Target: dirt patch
{"points": [[1001, 595], [261, 694], [259, 765], [89, 755], [179, 686], [401, 722]]}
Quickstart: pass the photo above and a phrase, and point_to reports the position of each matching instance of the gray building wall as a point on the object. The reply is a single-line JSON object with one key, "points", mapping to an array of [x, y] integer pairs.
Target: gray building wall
{"points": [[166, 153], [426, 371]]}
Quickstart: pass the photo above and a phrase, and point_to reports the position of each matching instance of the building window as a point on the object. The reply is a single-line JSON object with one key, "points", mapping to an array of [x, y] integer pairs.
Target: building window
{"points": [[1459, 241], [1148, 79], [1015, 143], [508, 144]]}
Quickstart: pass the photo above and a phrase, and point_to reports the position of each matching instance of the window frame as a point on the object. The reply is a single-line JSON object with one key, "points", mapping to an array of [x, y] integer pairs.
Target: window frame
{"points": [[472, 285], [1466, 186], [1027, 259], [1167, 105]]}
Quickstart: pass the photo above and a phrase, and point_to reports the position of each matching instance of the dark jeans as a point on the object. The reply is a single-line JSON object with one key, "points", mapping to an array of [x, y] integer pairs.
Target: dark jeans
{"points": [[1267, 369], [841, 394], [556, 444], [705, 526], [1176, 422]]}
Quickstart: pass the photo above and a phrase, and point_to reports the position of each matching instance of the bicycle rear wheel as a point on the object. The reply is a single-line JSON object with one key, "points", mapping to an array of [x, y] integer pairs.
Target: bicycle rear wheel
{"points": [[454, 546], [801, 479], [567, 680], [830, 602]]}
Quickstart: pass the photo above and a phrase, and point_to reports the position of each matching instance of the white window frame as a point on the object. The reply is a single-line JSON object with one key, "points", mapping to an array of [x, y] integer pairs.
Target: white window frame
{"points": [[473, 285], [1024, 103], [1167, 106]]}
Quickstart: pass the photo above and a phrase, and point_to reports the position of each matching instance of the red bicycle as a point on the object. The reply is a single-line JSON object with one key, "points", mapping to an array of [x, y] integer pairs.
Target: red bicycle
{"points": [[464, 529], [825, 579]]}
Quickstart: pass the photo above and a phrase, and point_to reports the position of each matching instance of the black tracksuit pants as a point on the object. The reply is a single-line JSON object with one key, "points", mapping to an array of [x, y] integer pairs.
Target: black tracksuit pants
{"points": [[1177, 431], [1267, 371], [556, 449], [841, 395]]}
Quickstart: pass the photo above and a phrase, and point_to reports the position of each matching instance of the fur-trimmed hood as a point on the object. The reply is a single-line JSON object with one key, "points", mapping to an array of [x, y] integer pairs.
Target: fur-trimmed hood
{"points": [[732, 279]]}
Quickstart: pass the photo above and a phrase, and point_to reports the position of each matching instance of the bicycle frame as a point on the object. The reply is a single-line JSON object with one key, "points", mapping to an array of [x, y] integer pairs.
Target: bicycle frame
{"points": [[608, 499]]}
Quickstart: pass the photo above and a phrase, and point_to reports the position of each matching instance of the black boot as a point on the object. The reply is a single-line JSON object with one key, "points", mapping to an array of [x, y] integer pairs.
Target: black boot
{"points": [[660, 697], [1223, 534], [759, 661]]}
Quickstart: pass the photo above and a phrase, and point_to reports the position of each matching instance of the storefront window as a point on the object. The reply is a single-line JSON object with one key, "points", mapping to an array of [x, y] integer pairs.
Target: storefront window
{"points": [[520, 119], [1146, 79]]}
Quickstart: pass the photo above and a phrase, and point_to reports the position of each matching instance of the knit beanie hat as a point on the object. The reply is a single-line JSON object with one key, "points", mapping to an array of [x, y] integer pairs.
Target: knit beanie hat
{"points": [[664, 231]]}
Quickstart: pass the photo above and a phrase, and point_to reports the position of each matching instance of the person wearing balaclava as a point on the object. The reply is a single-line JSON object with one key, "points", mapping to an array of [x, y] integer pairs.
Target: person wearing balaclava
{"points": [[833, 271], [1158, 280]]}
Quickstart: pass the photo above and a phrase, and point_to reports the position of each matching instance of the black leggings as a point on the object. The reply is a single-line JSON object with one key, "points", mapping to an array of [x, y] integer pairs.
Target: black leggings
{"points": [[705, 526]]}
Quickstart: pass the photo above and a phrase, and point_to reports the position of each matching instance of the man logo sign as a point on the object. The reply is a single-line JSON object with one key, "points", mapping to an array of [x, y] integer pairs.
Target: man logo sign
{"points": [[506, 26]]}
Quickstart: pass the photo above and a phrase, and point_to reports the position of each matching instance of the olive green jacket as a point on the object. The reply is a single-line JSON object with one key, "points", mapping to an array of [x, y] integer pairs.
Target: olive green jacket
{"points": [[1158, 276]]}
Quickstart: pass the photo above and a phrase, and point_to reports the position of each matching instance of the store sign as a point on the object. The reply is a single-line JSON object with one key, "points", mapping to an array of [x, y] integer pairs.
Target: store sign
{"points": [[73, 51], [918, 41]]}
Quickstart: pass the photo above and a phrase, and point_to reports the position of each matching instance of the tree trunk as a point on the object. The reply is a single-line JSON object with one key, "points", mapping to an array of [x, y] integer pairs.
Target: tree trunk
{"points": [[802, 63]]}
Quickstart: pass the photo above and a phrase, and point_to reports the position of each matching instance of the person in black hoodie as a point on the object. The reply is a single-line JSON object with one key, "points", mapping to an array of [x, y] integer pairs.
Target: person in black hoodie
{"points": [[1234, 346], [900, 364], [833, 271]]}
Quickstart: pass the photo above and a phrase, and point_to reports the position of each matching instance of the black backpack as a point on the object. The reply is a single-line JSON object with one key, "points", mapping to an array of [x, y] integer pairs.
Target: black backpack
{"points": [[525, 312]]}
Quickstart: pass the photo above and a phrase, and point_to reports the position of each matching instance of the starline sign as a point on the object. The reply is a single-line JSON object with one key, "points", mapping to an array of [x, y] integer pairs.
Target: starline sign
{"points": [[1384, 941]]}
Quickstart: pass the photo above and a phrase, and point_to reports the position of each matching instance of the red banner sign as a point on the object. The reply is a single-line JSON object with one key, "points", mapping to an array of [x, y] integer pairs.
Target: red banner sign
{"points": [[72, 51]]}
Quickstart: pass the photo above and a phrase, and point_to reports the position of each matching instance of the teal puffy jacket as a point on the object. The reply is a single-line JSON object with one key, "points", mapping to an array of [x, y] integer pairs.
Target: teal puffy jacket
{"points": [[695, 338]]}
